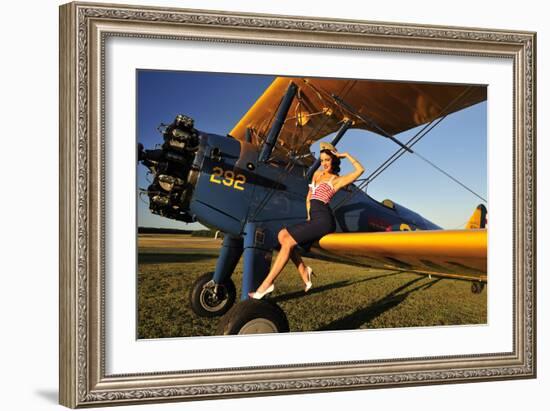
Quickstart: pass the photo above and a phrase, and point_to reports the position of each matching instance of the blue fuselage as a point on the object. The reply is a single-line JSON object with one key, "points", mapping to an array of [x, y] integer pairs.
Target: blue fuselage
{"points": [[232, 188]]}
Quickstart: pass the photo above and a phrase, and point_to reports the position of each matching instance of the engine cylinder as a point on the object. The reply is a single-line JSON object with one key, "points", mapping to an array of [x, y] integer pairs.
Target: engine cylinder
{"points": [[170, 193]]}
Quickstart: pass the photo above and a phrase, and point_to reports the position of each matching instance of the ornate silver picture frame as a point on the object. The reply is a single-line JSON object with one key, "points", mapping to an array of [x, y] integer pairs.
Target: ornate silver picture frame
{"points": [[84, 30]]}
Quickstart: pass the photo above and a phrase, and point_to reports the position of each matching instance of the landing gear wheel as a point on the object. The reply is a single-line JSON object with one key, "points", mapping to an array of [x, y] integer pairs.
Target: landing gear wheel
{"points": [[212, 300], [477, 287], [254, 317]]}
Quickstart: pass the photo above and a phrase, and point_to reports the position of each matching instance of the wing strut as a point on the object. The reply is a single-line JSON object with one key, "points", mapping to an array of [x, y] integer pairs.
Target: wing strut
{"points": [[342, 104], [345, 126], [367, 120], [275, 129]]}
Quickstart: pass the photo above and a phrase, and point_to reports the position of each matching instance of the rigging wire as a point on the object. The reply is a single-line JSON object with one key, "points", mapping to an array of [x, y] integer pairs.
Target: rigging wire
{"points": [[380, 169], [450, 176], [396, 155]]}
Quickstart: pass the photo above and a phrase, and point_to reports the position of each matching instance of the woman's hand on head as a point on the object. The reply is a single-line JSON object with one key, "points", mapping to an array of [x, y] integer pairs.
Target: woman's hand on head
{"points": [[339, 155]]}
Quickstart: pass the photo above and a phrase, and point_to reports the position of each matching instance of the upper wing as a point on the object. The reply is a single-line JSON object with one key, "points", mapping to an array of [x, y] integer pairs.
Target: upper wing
{"points": [[446, 253], [388, 107]]}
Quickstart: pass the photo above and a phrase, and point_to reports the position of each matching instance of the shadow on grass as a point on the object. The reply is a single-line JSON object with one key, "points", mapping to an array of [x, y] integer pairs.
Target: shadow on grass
{"points": [[364, 280], [328, 287], [367, 314], [162, 258]]}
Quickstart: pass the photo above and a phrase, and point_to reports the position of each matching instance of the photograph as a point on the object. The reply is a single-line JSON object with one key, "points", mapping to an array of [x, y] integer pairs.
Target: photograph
{"points": [[260, 204], [270, 203]]}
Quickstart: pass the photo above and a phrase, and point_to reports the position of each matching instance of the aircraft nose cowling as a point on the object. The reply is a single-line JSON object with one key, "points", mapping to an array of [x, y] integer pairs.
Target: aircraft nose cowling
{"points": [[171, 190]]}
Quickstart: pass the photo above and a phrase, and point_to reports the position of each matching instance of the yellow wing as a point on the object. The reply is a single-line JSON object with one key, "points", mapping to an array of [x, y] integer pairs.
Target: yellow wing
{"points": [[317, 109], [444, 253]]}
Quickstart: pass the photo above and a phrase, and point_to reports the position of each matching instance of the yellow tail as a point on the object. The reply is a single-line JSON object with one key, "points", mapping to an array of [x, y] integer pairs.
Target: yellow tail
{"points": [[478, 218]]}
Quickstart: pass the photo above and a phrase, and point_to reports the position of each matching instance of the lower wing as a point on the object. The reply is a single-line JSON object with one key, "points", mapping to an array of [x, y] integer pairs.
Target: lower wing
{"points": [[460, 254]]}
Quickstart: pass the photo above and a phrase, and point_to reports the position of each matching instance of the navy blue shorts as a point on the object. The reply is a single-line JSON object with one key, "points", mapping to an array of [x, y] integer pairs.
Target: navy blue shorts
{"points": [[321, 223]]}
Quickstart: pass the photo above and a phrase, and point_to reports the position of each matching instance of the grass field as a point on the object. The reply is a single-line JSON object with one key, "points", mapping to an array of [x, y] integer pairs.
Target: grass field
{"points": [[343, 296]]}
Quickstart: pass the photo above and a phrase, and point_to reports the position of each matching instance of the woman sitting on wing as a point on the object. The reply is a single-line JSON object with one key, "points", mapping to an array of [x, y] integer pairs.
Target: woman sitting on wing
{"points": [[325, 183]]}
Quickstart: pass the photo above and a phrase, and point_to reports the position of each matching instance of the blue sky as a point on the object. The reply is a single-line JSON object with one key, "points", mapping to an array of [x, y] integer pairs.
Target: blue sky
{"points": [[217, 101]]}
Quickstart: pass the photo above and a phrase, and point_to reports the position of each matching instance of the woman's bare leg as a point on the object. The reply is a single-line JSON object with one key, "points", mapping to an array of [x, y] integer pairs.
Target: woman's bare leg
{"points": [[299, 263], [287, 244]]}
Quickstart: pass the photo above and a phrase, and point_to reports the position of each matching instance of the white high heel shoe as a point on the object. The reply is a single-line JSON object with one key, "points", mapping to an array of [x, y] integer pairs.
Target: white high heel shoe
{"points": [[309, 284], [258, 296]]}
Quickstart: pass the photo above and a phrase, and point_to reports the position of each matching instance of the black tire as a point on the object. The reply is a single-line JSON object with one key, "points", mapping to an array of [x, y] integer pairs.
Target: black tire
{"points": [[477, 287], [254, 317], [210, 301]]}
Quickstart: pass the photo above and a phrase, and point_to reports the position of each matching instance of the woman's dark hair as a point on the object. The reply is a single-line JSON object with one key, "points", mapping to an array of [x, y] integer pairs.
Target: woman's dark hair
{"points": [[335, 161]]}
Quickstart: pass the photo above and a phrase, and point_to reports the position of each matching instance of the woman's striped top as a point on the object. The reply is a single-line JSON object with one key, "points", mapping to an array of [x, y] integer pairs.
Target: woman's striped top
{"points": [[323, 191]]}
